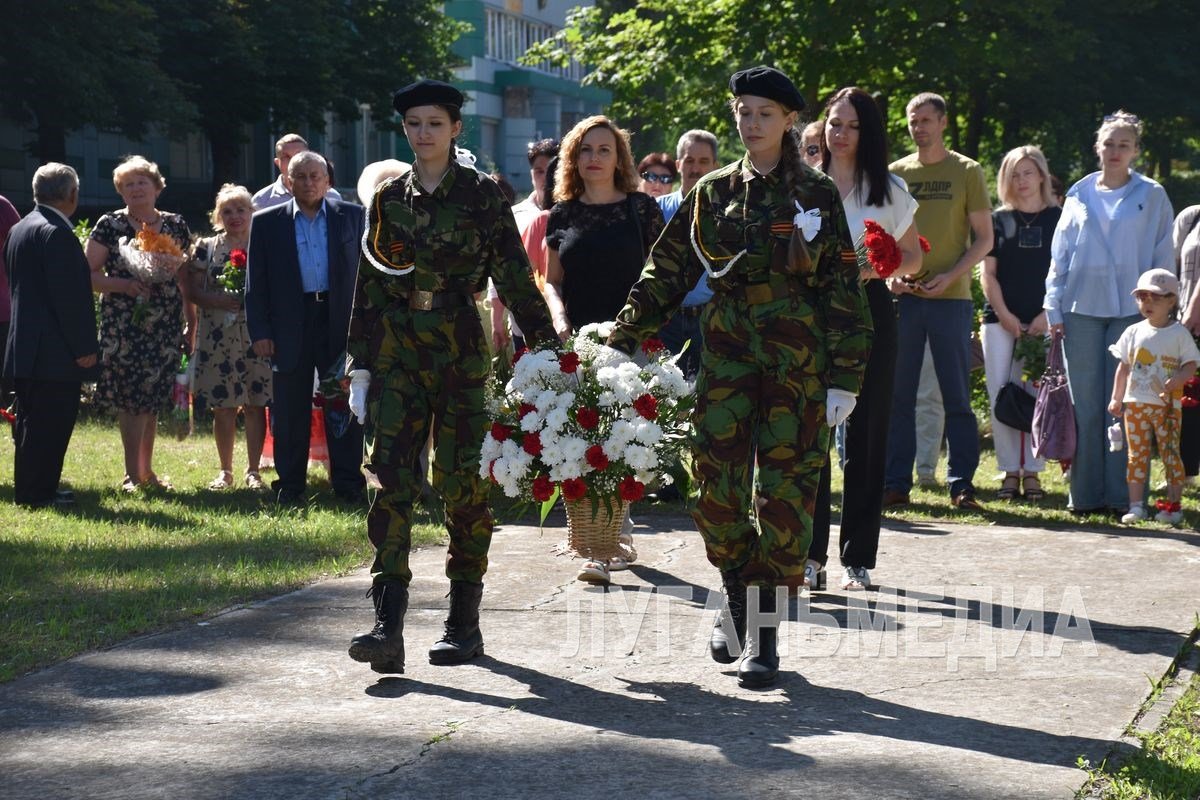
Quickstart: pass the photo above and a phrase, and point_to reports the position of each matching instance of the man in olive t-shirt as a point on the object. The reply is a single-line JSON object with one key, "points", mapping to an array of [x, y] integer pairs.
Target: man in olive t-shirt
{"points": [[955, 216]]}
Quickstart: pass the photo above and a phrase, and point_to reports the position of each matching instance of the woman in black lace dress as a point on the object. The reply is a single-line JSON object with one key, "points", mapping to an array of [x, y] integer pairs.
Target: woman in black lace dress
{"points": [[597, 238]]}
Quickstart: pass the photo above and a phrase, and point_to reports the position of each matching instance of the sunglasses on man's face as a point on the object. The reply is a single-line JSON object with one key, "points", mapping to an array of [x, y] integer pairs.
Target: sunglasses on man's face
{"points": [[654, 177], [812, 149]]}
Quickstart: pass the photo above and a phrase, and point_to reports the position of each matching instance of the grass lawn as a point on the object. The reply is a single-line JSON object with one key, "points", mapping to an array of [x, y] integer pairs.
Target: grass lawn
{"points": [[116, 565]]}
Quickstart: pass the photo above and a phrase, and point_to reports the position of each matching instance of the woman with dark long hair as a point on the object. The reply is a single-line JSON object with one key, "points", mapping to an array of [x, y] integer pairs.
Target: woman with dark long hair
{"points": [[856, 158], [786, 338]]}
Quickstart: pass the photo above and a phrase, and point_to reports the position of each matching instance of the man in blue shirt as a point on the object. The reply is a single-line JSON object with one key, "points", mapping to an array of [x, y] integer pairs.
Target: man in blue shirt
{"points": [[278, 193], [303, 261], [695, 157]]}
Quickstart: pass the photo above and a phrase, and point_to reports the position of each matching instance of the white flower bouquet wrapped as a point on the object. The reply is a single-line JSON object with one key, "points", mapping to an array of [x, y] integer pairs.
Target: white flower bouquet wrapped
{"points": [[587, 422]]}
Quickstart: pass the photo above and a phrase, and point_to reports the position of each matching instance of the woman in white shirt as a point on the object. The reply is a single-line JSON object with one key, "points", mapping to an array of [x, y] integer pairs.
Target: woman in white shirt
{"points": [[1115, 225], [856, 160]]}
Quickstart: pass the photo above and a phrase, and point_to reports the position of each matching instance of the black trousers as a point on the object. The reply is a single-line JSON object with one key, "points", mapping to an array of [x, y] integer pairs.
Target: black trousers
{"points": [[866, 448], [1189, 441], [6, 390], [291, 415], [46, 413]]}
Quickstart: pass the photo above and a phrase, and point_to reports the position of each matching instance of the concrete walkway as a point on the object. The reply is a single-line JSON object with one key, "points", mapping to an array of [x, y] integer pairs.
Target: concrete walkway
{"points": [[1006, 654]]}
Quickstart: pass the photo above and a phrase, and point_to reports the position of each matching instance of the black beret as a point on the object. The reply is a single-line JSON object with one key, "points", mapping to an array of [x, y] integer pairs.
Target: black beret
{"points": [[767, 82], [427, 93]]}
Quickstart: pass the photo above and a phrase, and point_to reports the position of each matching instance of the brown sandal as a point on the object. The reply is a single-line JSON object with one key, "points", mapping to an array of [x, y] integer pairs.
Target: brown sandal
{"points": [[1009, 488], [1031, 487]]}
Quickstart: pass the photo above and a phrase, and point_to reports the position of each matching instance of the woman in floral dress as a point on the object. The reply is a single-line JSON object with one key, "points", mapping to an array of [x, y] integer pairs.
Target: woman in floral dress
{"points": [[141, 326], [228, 375]]}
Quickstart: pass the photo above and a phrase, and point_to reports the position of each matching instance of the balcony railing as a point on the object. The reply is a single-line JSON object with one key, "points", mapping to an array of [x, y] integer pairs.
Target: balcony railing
{"points": [[510, 35]]}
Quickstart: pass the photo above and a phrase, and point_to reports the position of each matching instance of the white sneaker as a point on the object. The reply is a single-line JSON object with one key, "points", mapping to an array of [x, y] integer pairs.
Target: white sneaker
{"points": [[1134, 515], [857, 579], [1169, 517]]}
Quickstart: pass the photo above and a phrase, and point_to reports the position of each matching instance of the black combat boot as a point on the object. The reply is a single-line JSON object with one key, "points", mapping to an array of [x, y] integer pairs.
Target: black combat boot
{"points": [[733, 613], [760, 664], [462, 640], [383, 647]]}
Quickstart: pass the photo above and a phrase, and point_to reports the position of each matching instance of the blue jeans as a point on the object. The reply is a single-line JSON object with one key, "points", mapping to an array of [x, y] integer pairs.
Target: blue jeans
{"points": [[946, 325], [1097, 476]]}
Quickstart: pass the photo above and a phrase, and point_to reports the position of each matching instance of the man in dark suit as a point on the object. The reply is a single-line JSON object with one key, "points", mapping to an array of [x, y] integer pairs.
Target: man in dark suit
{"points": [[303, 262], [51, 347]]}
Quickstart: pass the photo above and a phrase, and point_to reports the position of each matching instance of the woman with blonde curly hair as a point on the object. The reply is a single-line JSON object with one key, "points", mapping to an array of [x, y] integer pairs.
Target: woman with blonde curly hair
{"points": [[228, 375], [597, 238]]}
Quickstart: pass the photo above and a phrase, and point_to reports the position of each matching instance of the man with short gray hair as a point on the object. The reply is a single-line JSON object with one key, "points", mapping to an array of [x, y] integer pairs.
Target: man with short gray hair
{"points": [[280, 191], [51, 347]]}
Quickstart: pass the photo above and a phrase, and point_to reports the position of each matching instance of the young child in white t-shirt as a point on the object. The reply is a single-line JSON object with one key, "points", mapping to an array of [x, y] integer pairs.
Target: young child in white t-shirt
{"points": [[1158, 356]]}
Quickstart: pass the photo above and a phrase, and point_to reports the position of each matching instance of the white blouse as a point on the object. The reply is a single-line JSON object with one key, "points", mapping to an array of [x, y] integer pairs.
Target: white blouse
{"points": [[895, 216]]}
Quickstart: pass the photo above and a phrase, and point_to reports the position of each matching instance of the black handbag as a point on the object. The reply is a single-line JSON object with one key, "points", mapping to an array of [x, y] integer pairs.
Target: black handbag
{"points": [[1014, 406]]}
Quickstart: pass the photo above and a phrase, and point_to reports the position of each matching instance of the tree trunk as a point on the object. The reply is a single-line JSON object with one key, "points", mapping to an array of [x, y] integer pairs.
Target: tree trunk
{"points": [[224, 143], [976, 114], [51, 143]]}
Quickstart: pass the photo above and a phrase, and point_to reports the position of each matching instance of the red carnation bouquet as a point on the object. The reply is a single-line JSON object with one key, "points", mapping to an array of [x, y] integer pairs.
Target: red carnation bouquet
{"points": [[233, 275], [877, 252]]}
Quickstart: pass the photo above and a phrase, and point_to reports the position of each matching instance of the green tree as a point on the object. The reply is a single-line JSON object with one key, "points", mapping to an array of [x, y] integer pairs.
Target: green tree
{"points": [[67, 65]]}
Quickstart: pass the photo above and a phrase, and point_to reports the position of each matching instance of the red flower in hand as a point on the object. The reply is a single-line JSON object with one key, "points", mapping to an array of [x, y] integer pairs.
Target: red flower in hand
{"points": [[652, 346], [588, 418], [532, 444], [8, 416], [500, 432], [574, 488], [925, 248], [646, 406], [543, 488], [632, 489], [596, 458], [568, 362], [238, 258]]}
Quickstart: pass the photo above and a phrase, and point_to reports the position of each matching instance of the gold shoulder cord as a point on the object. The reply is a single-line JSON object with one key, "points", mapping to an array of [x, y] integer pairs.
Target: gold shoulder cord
{"points": [[702, 253]]}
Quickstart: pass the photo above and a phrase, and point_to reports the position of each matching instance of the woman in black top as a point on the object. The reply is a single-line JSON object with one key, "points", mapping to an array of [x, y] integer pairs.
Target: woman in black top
{"points": [[597, 238], [1014, 283], [601, 228]]}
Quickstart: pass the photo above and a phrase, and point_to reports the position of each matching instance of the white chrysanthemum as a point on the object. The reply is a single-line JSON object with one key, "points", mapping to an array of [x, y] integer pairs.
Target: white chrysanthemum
{"points": [[607, 399], [568, 469], [640, 458], [622, 434], [531, 422], [556, 420], [509, 449], [552, 452], [668, 379], [545, 400], [648, 433], [647, 477], [490, 449], [573, 448]]}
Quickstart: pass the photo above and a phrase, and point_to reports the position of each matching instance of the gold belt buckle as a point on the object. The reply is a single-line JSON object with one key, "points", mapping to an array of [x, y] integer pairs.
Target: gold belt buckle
{"points": [[421, 300]]}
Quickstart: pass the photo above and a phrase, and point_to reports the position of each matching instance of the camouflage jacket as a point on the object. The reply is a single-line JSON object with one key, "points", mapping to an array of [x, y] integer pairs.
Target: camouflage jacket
{"points": [[449, 240], [734, 215]]}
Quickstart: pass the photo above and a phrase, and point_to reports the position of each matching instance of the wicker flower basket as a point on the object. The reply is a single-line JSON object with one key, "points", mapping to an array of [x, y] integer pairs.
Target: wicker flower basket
{"points": [[595, 537]]}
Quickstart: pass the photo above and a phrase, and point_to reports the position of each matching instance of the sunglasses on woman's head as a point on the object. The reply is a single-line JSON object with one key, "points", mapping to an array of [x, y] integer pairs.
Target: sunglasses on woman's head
{"points": [[812, 149], [654, 177]]}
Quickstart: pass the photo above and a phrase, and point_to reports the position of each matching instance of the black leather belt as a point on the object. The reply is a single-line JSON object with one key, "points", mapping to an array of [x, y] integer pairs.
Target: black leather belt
{"points": [[317, 297], [433, 301]]}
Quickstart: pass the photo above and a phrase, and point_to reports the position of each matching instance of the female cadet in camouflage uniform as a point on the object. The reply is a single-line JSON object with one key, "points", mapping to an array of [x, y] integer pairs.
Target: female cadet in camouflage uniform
{"points": [[419, 361], [785, 340]]}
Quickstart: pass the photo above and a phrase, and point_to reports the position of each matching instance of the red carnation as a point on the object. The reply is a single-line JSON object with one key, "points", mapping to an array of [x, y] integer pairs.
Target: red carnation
{"points": [[525, 408], [543, 488], [532, 444], [500, 432], [574, 488], [652, 346], [568, 362], [632, 489], [8, 416], [596, 458], [873, 240], [517, 355], [647, 406], [237, 258], [588, 418], [925, 248]]}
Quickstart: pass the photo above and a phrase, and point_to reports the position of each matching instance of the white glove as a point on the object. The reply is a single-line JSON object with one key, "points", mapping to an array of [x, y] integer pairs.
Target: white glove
{"points": [[360, 384], [838, 405]]}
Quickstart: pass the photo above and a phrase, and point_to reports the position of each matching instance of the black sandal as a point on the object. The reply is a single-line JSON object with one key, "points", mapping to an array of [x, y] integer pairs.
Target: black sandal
{"points": [[1033, 493], [1009, 488]]}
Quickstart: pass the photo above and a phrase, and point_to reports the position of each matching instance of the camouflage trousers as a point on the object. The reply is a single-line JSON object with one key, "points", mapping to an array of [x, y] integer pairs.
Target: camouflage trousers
{"points": [[432, 369], [760, 400]]}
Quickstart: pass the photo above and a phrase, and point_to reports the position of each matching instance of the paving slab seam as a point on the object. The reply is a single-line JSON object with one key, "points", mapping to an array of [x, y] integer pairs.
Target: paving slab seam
{"points": [[1175, 681]]}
